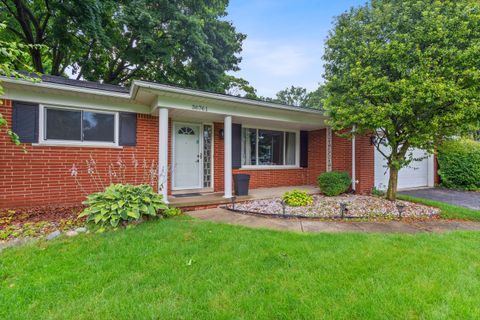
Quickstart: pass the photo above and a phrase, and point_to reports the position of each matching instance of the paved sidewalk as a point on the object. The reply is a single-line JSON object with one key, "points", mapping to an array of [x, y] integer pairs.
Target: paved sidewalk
{"points": [[303, 225], [467, 199]]}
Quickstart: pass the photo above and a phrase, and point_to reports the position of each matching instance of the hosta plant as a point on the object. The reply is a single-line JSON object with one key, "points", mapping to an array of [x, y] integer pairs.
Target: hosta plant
{"points": [[297, 198], [122, 203]]}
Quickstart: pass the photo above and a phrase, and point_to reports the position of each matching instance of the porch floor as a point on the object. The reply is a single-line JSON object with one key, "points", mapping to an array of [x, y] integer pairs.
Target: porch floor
{"points": [[216, 198]]}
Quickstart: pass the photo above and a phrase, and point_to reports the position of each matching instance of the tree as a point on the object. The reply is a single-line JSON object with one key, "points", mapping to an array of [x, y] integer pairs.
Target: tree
{"points": [[239, 87], [294, 96], [179, 42], [12, 57], [315, 98], [405, 72], [299, 97], [57, 32]]}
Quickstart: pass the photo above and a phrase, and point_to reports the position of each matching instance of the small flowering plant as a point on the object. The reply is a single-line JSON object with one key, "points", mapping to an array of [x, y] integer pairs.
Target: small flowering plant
{"points": [[297, 198], [123, 203]]}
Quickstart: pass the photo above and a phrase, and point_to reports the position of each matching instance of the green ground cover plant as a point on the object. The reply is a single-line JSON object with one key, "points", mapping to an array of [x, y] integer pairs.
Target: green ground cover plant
{"points": [[122, 203], [297, 198]]}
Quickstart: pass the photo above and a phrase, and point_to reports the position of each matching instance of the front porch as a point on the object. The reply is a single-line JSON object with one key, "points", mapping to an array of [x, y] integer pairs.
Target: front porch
{"points": [[195, 201], [205, 140]]}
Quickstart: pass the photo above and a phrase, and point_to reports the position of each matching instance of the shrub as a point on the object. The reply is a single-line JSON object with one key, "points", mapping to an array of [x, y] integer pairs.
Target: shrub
{"points": [[297, 198], [334, 183], [377, 192], [172, 212], [459, 164], [122, 203]]}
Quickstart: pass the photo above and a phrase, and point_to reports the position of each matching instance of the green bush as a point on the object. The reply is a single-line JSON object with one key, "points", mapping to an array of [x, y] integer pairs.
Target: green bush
{"points": [[297, 198], [122, 203], [459, 164], [172, 212], [334, 183]]}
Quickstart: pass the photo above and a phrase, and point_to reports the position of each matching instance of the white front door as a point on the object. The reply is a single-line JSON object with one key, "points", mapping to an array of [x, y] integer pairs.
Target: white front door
{"points": [[186, 156]]}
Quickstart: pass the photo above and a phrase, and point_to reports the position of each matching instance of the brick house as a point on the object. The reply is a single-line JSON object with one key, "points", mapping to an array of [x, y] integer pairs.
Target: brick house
{"points": [[191, 140]]}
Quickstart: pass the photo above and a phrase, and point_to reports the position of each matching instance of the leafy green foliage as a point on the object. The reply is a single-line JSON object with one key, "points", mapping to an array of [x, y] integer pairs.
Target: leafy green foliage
{"points": [[315, 98], [298, 96], [172, 212], [378, 193], [13, 56], [188, 43], [122, 203], [406, 72], [459, 164], [294, 96], [297, 198], [334, 183]]}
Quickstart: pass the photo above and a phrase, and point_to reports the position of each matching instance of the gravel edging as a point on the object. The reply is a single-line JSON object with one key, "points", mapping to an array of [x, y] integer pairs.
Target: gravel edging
{"points": [[359, 207]]}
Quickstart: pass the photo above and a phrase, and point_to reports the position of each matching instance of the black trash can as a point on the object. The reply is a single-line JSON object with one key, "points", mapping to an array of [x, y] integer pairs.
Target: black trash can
{"points": [[240, 183]]}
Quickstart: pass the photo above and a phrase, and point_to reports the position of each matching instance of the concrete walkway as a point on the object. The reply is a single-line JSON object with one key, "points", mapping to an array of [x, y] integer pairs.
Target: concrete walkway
{"points": [[303, 225], [465, 199]]}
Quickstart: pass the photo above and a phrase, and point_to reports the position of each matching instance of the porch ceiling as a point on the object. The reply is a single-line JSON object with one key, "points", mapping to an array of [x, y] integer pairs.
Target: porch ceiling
{"points": [[196, 116]]}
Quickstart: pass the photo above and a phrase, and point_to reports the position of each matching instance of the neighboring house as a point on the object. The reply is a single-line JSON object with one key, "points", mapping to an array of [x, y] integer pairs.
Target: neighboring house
{"points": [[198, 139]]}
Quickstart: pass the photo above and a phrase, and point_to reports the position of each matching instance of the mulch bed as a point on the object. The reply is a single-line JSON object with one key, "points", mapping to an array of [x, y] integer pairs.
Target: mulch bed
{"points": [[36, 221], [358, 207]]}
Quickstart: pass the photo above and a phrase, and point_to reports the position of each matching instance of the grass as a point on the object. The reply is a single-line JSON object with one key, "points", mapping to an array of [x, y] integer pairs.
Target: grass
{"points": [[448, 211], [188, 269]]}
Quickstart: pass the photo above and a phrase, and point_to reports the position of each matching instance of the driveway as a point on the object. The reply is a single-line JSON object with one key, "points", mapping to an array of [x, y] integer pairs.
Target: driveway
{"points": [[465, 199]]}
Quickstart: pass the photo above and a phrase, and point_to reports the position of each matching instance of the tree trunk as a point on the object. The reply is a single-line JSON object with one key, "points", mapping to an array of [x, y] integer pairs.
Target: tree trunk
{"points": [[36, 55], [392, 184]]}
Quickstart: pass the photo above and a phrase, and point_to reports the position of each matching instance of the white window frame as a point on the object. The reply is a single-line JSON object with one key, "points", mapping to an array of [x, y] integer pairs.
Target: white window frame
{"points": [[42, 129], [284, 166]]}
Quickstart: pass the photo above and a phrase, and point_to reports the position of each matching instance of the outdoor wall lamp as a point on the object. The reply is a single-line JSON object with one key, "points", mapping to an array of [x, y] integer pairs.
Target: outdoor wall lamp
{"points": [[222, 134]]}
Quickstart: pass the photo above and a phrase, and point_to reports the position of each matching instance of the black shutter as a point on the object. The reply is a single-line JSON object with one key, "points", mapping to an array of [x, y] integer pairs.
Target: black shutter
{"points": [[128, 129], [304, 149], [25, 121], [236, 146]]}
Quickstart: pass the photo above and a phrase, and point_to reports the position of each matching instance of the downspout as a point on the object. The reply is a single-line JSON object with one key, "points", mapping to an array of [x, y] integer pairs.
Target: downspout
{"points": [[354, 179]]}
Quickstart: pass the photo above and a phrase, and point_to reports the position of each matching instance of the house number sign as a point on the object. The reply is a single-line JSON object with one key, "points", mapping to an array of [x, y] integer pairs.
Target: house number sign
{"points": [[198, 107]]}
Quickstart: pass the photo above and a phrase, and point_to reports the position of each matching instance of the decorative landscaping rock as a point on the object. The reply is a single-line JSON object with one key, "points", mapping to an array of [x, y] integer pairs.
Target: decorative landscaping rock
{"points": [[54, 235], [81, 230], [71, 233], [358, 206]]}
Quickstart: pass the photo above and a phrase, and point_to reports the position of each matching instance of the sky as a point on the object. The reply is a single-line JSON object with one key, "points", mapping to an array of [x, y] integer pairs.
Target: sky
{"points": [[285, 40]]}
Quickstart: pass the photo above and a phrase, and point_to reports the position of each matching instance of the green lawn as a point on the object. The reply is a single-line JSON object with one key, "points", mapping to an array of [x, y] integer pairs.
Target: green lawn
{"points": [[448, 211], [189, 269]]}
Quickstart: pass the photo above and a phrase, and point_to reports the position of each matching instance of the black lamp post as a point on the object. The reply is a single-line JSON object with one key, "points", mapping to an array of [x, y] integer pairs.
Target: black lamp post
{"points": [[283, 206], [343, 209], [400, 208]]}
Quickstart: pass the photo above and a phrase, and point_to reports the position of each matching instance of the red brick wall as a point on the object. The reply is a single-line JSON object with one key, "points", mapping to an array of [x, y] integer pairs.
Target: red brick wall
{"points": [[42, 175], [364, 160], [317, 155], [365, 164]]}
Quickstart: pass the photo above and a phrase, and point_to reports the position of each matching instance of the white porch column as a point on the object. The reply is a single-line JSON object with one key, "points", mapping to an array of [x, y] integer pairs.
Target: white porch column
{"points": [[227, 140], [163, 153]]}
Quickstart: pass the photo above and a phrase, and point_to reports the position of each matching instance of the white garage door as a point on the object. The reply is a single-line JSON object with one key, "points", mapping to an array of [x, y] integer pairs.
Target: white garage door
{"points": [[417, 174]]}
